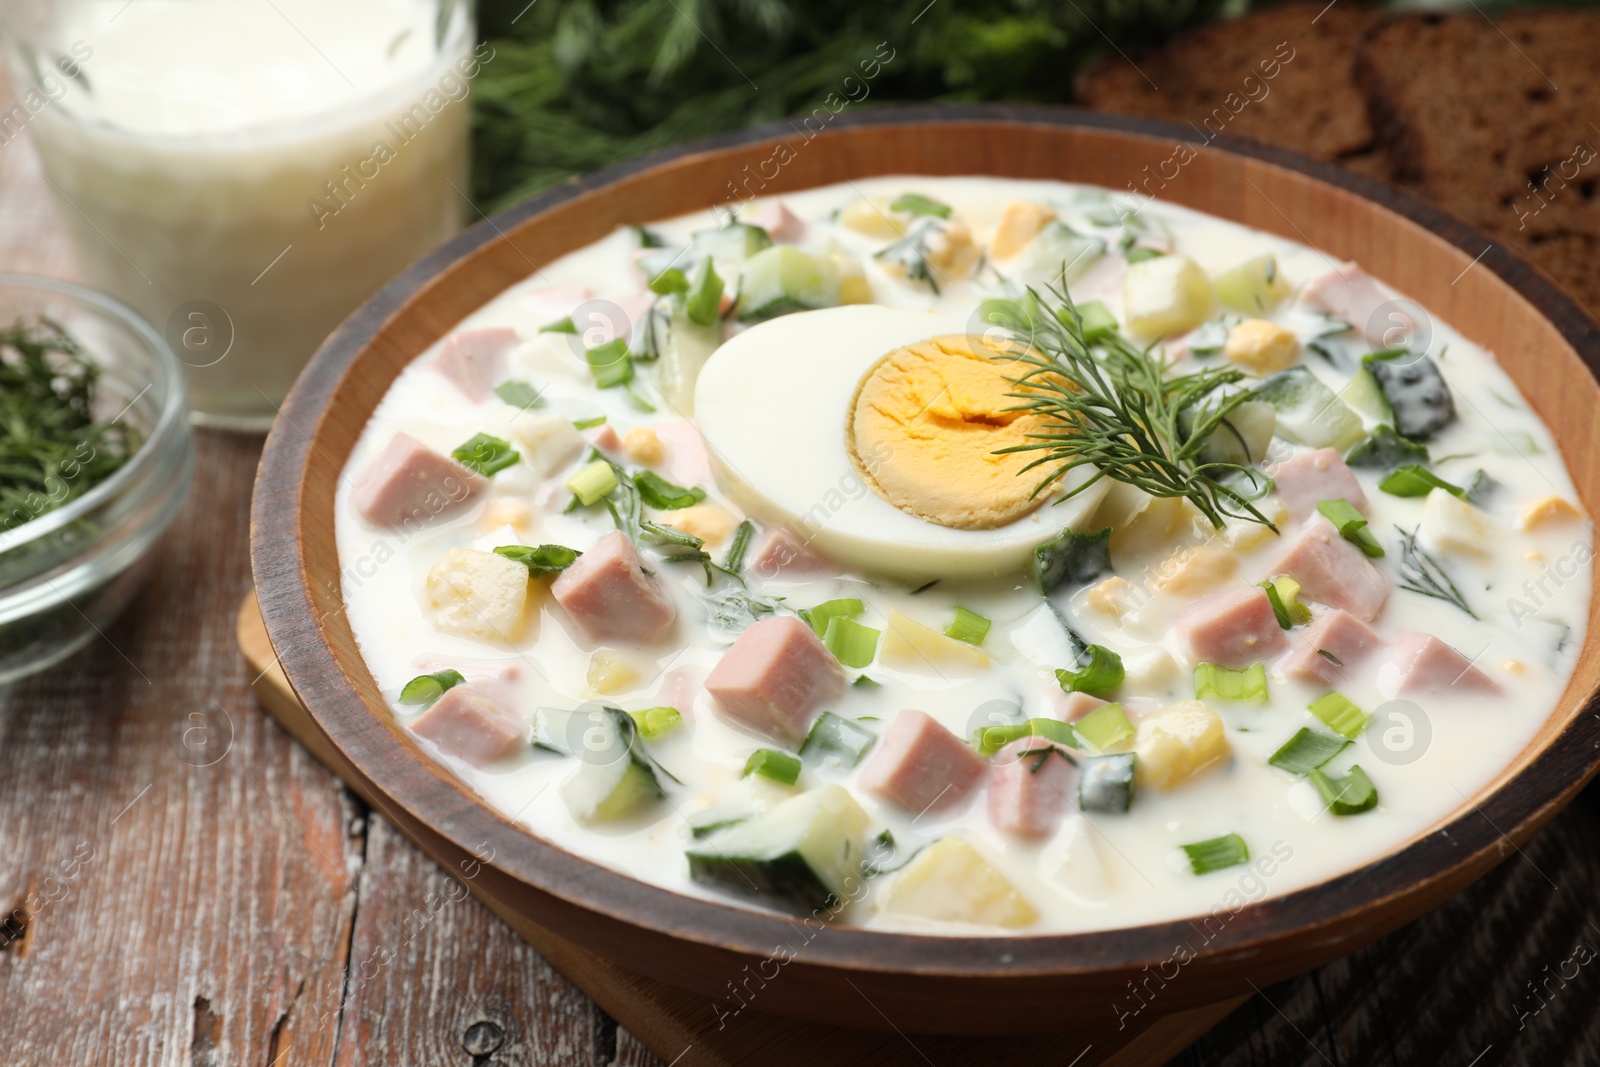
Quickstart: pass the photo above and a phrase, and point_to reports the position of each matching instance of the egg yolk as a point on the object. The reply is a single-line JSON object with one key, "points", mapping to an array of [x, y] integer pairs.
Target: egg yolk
{"points": [[924, 427]]}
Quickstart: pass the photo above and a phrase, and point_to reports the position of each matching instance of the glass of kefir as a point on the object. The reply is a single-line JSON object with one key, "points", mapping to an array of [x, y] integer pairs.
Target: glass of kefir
{"points": [[245, 172]]}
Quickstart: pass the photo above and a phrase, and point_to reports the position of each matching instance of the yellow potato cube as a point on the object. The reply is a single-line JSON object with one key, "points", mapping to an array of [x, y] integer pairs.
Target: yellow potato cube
{"points": [[951, 881], [1550, 509], [642, 445], [1114, 596], [1261, 347], [610, 673], [506, 511], [1450, 524], [1242, 535], [1165, 296], [712, 523], [1174, 745], [909, 645], [547, 442], [1141, 523], [1019, 223], [872, 218], [478, 594], [853, 285], [1191, 571]]}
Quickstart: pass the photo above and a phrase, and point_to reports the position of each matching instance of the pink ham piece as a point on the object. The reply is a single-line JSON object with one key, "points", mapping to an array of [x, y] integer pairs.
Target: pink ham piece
{"points": [[474, 361], [1334, 572], [1070, 707], [471, 722], [783, 225], [1233, 630], [605, 439], [780, 554], [1430, 668], [609, 594], [408, 481], [1347, 292], [1306, 480], [920, 766], [1339, 634], [1030, 788], [775, 678], [687, 461]]}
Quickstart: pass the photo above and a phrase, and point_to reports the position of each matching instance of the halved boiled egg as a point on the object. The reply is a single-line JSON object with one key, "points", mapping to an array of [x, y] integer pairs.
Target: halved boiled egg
{"points": [[875, 434]]}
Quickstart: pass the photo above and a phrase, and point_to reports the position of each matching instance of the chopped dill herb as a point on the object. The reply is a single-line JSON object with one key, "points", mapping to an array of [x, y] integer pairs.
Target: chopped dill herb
{"points": [[1421, 573]]}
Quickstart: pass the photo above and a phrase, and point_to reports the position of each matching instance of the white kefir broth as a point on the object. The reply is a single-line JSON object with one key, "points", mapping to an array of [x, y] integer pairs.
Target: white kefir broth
{"points": [[1098, 871], [245, 173]]}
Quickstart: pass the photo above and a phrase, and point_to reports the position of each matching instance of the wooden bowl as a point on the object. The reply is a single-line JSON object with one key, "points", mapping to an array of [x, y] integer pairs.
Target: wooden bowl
{"points": [[857, 977]]}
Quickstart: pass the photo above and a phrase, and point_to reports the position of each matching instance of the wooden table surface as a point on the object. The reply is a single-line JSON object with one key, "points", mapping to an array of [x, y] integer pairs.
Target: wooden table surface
{"points": [[186, 886]]}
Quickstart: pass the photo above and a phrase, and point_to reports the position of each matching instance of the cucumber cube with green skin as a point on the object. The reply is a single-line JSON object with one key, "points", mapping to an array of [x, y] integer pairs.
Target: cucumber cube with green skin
{"points": [[1416, 392], [730, 246], [1057, 256], [782, 279], [614, 778], [1242, 437], [1383, 449], [1254, 287], [802, 856], [836, 741], [1308, 411], [685, 346], [1365, 398]]}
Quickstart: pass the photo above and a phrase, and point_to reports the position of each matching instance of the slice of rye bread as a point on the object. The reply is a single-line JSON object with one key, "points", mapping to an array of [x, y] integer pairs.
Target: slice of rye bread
{"points": [[1312, 105], [1510, 141]]}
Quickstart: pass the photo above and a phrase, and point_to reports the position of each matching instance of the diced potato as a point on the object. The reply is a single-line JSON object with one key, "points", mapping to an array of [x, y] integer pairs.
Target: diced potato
{"points": [[1140, 523], [1165, 296], [610, 673], [506, 511], [909, 645], [712, 523], [950, 881], [1020, 222], [1191, 571], [1153, 670], [1261, 347], [1450, 524], [478, 594], [1242, 535], [643, 445], [1073, 860], [873, 218], [1114, 596], [547, 442], [1254, 287], [1174, 745], [1552, 509], [853, 285]]}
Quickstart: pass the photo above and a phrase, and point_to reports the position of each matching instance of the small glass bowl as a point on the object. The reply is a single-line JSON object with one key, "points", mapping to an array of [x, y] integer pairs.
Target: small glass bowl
{"points": [[66, 574]]}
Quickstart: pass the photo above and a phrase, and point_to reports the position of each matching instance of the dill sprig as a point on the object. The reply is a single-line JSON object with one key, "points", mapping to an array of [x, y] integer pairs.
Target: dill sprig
{"points": [[1421, 573], [1118, 410], [52, 449]]}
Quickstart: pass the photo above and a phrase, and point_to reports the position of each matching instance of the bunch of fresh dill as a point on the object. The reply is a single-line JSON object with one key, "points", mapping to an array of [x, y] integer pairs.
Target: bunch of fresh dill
{"points": [[574, 85]]}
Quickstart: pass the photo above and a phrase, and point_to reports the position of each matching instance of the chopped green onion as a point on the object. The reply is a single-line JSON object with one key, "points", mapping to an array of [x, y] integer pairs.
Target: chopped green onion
{"points": [[1307, 750], [969, 627], [825, 612], [769, 763], [565, 325], [1055, 730], [733, 562], [610, 364], [863, 682], [917, 204], [991, 739], [1101, 677], [595, 481], [546, 559], [1350, 795], [662, 495], [1384, 449], [1412, 480], [653, 722], [426, 688], [1351, 524], [486, 454], [1283, 593], [1071, 557], [589, 424], [1340, 715], [851, 643], [836, 740], [1106, 728], [1248, 685], [1105, 783], [519, 394], [671, 280], [1228, 850], [1139, 255], [1097, 320], [703, 304]]}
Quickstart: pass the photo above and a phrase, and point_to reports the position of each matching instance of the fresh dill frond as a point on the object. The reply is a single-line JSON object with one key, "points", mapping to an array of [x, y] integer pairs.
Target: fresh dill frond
{"points": [[1117, 410], [1421, 573]]}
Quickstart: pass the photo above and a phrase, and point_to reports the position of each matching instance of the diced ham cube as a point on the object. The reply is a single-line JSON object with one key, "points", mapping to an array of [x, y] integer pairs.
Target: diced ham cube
{"points": [[474, 361], [1070, 707], [408, 481], [1030, 788], [782, 224], [776, 677], [1334, 572], [780, 554], [1233, 630], [920, 766], [687, 461], [1336, 634], [1347, 292], [606, 439], [1306, 480], [1430, 668], [608, 592], [472, 722]]}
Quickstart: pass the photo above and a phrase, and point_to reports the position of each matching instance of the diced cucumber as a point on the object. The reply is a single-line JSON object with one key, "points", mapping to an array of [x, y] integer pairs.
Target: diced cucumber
{"points": [[836, 741], [1416, 392], [599, 792], [1384, 450], [1165, 296], [614, 777], [1105, 783], [801, 856], [1254, 287], [654, 262], [1071, 557], [1242, 437], [1056, 257], [730, 246], [685, 345], [1365, 398], [782, 278], [1308, 411]]}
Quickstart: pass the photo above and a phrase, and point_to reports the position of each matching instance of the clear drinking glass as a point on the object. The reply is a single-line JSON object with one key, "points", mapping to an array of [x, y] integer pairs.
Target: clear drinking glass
{"points": [[244, 174]]}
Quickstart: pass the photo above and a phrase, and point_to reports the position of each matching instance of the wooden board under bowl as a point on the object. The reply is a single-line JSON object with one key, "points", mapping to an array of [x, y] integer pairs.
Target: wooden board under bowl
{"points": [[868, 978]]}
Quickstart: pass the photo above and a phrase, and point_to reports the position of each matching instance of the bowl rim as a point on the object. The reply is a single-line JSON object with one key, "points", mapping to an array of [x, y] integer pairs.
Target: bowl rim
{"points": [[174, 415], [1464, 845]]}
